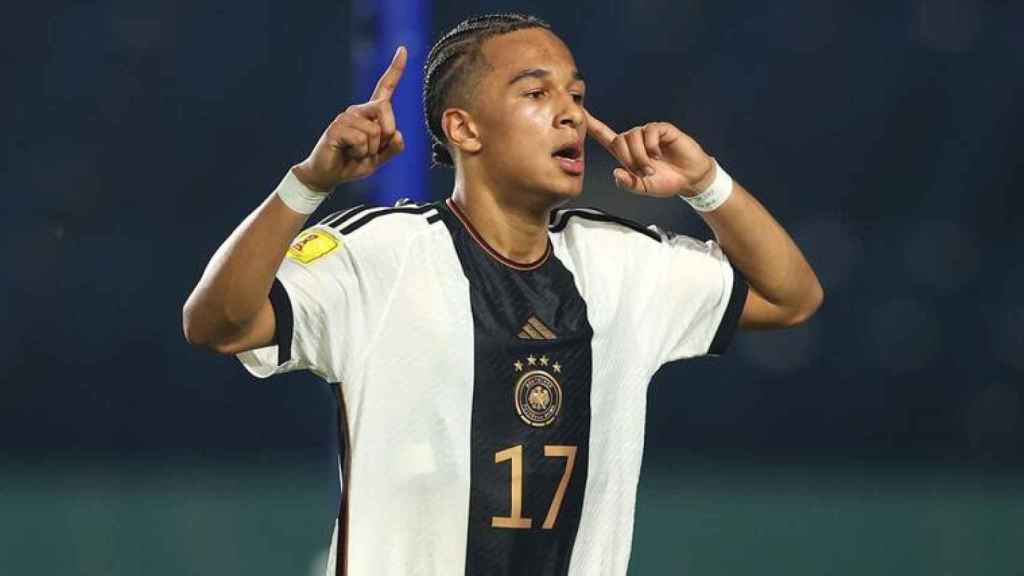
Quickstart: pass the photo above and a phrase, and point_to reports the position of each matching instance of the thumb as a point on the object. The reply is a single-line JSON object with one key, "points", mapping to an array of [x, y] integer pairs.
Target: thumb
{"points": [[623, 179], [394, 148]]}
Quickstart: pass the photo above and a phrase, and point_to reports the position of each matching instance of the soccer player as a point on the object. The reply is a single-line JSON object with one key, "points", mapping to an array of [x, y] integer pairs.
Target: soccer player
{"points": [[491, 351]]}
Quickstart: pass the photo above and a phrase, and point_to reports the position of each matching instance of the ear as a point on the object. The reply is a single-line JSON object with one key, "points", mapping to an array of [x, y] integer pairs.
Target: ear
{"points": [[460, 129]]}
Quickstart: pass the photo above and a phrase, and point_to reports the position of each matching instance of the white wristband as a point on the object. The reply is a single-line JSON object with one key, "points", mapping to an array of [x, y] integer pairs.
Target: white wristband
{"points": [[715, 195], [298, 196]]}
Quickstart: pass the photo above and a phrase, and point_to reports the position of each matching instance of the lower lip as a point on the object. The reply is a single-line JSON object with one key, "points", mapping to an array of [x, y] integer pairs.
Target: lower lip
{"points": [[572, 166]]}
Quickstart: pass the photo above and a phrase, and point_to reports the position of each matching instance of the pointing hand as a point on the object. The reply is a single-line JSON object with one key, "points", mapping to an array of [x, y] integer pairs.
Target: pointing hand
{"points": [[360, 139], [657, 159]]}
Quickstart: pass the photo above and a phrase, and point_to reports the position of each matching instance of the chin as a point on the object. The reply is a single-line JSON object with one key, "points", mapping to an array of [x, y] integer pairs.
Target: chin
{"points": [[561, 191]]}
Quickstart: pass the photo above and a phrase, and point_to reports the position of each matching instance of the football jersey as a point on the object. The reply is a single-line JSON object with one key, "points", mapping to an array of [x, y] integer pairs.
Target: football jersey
{"points": [[492, 411]]}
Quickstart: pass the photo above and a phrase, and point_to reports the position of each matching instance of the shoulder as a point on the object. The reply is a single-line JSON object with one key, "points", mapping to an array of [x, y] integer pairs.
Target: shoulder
{"points": [[595, 234], [377, 236], [593, 223], [381, 223]]}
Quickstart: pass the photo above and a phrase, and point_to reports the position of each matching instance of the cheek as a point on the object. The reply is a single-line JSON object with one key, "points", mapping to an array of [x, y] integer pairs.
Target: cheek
{"points": [[526, 128]]}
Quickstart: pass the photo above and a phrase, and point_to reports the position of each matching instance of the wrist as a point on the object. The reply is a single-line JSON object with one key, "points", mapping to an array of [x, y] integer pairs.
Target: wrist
{"points": [[705, 181], [306, 176], [297, 194], [713, 193]]}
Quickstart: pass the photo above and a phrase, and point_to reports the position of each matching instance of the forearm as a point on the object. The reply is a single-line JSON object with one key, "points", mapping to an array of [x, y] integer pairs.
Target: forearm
{"points": [[760, 248], [237, 280]]}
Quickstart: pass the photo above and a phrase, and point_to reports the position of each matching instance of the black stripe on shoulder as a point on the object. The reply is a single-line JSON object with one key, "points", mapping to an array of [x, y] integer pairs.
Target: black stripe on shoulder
{"points": [[731, 317], [341, 215], [283, 321], [360, 222], [562, 219]]}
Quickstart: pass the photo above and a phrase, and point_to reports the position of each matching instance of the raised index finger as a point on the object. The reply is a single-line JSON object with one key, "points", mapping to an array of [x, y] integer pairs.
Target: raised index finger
{"points": [[389, 80], [600, 131]]}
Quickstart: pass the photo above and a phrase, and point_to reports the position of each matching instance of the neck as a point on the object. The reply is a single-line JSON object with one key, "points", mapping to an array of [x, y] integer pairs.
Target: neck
{"points": [[506, 221]]}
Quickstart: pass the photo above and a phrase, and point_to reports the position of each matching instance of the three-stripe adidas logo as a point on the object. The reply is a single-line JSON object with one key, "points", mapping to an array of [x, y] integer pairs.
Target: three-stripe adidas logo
{"points": [[534, 329]]}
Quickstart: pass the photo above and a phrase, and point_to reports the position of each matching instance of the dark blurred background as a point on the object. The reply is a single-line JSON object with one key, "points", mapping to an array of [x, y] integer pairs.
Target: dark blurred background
{"points": [[886, 436]]}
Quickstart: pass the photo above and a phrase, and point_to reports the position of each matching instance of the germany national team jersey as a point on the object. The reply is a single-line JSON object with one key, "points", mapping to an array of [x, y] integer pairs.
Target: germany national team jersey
{"points": [[493, 411]]}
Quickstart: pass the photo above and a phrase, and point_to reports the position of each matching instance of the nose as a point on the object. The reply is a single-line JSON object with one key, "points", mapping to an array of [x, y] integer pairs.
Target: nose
{"points": [[572, 113]]}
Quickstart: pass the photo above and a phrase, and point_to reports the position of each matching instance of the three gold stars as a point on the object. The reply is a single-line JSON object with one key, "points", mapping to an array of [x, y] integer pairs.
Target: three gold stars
{"points": [[532, 360]]}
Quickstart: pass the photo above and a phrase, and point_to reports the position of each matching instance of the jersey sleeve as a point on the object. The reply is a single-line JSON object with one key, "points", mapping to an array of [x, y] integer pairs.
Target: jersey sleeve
{"points": [[328, 296], [692, 296]]}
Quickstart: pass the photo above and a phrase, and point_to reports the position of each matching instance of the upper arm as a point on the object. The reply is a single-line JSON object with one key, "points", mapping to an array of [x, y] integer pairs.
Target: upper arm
{"points": [[259, 333], [760, 314]]}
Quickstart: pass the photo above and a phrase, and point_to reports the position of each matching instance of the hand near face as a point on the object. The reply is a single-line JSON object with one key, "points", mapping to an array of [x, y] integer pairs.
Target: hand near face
{"points": [[360, 139], [657, 159]]}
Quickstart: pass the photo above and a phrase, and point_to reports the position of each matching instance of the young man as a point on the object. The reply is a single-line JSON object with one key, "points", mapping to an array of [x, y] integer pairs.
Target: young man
{"points": [[492, 353]]}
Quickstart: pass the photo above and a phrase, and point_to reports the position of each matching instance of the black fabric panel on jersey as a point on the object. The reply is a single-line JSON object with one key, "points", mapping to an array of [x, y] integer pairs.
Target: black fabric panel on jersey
{"points": [[731, 318], [283, 322], [554, 365], [561, 219], [362, 221]]}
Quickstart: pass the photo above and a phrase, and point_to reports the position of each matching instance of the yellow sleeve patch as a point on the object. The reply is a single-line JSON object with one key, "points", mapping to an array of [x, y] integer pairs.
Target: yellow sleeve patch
{"points": [[312, 244]]}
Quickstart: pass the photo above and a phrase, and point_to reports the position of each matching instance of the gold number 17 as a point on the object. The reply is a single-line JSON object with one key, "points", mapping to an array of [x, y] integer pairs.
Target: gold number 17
{"points": [[515, 518]]}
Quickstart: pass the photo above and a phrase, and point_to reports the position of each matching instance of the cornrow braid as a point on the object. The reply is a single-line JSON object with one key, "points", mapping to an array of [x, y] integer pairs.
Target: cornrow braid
{"points": [[452, 66]]}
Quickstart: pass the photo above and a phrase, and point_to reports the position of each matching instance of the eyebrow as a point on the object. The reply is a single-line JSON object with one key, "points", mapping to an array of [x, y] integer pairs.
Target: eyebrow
{"points": [[541, 73]]}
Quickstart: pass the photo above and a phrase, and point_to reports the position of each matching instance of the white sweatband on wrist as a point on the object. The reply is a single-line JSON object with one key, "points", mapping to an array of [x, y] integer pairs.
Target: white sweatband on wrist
{"points": [[298, 196], [715, 195]]}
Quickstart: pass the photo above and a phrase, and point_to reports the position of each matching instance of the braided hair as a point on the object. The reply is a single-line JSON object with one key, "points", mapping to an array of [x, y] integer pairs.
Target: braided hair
{"points": [[453, 66]]}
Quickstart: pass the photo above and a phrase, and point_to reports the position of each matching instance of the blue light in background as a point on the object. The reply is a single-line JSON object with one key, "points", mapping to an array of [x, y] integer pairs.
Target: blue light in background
{"points": [[378, 28]]}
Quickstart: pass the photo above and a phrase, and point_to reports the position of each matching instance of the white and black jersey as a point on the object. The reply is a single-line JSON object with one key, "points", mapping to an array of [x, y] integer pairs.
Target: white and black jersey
{"points": [[493, 412]]}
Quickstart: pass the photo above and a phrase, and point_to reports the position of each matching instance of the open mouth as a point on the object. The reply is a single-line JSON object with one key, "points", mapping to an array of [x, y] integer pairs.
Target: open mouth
{"points": [[570, 157], [572, 152]]}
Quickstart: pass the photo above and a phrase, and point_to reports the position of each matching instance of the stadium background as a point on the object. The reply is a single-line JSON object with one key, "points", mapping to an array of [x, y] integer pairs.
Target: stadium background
{"points": [[885, 437]]}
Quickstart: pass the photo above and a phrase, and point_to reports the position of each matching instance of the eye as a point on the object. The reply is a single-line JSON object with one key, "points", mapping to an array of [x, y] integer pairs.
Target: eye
{"points": [[577, 98], [535, 94]]}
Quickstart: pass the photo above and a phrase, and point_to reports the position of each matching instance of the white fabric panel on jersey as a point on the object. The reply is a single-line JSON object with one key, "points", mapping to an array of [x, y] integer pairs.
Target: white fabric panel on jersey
{"points": [[643, 298], [337, 302], [408, 392], [387, 315]]}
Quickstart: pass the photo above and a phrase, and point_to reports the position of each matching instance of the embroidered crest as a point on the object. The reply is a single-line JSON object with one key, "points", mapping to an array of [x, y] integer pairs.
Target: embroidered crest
{"points": [[538, 395]]}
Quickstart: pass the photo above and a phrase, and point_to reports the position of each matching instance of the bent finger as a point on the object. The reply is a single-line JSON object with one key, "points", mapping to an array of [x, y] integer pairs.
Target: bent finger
{"points": [[641, 163], [652, 140], [353, 143], [380, 112], [369, 127]]}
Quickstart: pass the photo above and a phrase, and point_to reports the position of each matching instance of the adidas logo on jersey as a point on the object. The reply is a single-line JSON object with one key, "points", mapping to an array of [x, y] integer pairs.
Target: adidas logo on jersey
{"points": [[534, 329]]}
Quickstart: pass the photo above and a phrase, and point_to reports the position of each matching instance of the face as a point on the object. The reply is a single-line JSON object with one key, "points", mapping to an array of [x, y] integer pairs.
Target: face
{"points": [[528, 114]]}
